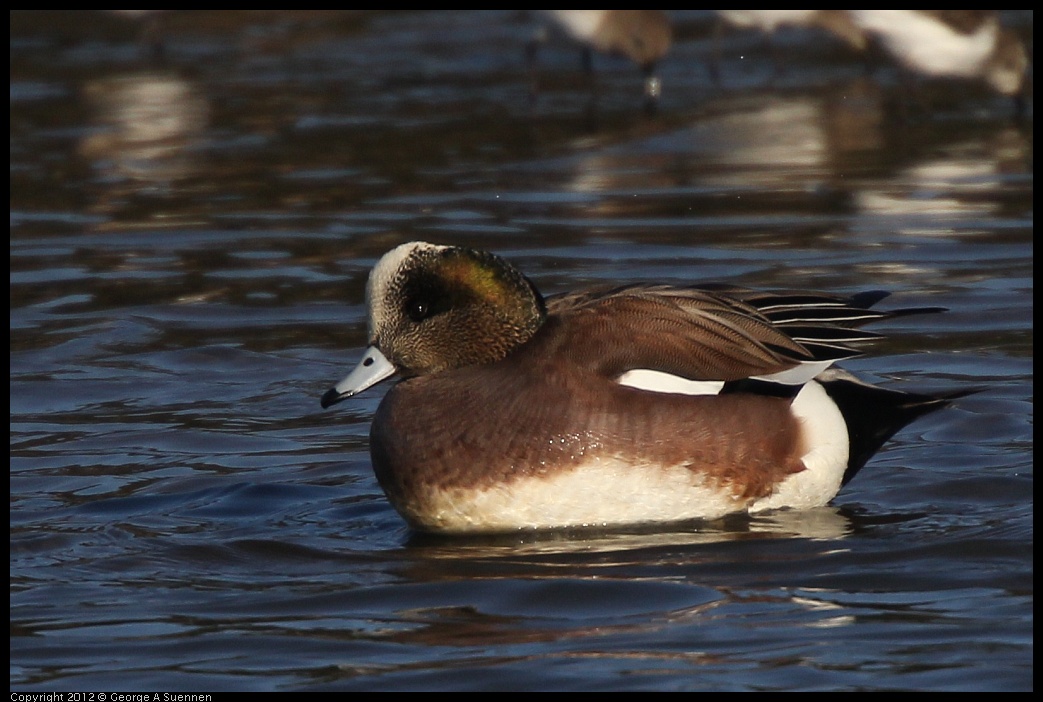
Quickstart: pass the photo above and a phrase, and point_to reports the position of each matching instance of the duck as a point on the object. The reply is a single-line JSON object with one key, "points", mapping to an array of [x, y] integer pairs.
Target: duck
{"points": [[612, 406]]}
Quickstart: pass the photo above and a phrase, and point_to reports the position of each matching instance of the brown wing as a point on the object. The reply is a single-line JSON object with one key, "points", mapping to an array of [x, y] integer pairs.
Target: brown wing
{"points": [[709, 332], [683, 331]]}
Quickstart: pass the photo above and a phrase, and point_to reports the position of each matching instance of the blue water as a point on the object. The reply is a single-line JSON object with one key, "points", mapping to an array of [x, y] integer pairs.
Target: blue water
{"points": [[190, 239]]}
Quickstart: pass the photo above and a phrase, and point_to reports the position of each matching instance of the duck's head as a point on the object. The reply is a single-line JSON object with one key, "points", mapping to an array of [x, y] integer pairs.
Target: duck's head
{"points": [[434, 308]]}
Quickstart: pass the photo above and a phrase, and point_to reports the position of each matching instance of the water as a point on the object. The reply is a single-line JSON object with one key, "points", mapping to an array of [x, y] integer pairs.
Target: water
{"points": [[190, 239]]}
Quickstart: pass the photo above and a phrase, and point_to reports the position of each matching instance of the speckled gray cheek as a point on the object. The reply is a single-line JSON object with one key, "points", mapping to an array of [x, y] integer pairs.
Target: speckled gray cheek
{"points": [[385, 309], [377, 291], [386, 282]]}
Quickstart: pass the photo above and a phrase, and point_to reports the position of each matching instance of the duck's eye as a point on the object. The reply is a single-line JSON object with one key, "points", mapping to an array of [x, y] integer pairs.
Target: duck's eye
{"points": [[418, 310]]}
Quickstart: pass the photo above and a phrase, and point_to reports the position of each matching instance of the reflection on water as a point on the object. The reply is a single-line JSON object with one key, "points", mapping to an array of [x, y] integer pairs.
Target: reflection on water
{"points": [[825, 523], [799, 142], [956, 185], [151, 128], [189, 247]]}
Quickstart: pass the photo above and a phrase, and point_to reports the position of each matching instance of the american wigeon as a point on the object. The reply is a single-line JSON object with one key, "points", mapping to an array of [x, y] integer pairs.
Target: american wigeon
{"points": [[617, 405]]}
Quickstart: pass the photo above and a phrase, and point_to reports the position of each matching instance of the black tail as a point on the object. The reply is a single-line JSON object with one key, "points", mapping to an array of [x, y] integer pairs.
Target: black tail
{"points": [[874, 414]]}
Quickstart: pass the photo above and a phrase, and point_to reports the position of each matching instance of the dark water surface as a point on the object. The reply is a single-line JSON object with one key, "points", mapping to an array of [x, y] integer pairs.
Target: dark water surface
{"points": [[190, 238]]}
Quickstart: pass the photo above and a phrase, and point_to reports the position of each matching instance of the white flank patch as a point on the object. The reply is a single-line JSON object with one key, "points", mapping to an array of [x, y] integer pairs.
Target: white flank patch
{"points": [[825, 435]]}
